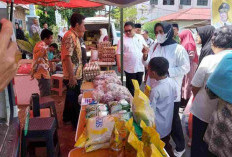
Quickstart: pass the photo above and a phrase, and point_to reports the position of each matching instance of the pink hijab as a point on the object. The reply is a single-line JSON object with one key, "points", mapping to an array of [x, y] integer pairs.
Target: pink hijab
{"points": [[188, 42]]}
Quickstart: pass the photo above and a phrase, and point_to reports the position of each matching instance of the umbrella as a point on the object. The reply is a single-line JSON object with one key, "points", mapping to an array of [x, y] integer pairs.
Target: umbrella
{"points": [[59, 3], [120, 3]]}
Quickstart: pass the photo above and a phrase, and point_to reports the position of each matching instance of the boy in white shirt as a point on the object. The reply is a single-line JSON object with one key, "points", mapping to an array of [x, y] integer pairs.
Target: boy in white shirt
{"points": [[162, 97]]}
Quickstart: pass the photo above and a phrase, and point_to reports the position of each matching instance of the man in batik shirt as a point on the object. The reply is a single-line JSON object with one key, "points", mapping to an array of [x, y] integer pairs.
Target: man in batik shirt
{"points": [[40, 69], [71, 57]]}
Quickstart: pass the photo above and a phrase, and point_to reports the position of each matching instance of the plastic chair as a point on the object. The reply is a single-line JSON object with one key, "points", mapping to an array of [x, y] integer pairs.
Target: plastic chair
{"points": [[39, 104], [49, 102], [60, 88], [39, 130]]}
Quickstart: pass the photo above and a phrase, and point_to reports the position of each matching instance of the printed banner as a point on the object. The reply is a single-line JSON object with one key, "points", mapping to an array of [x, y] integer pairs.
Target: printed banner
{"points": [[221, 13]]}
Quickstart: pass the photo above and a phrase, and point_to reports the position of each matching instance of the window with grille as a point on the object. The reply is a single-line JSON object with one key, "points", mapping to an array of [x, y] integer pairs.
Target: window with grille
{"points": [[185, 2], [168, 2], [155, 2], [202, 2]]}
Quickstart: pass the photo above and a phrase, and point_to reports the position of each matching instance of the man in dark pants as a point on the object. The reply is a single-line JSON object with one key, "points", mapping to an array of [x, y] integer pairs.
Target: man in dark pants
{"points": [[133, 47], [71, 57], [40, 69], [72, 109]]}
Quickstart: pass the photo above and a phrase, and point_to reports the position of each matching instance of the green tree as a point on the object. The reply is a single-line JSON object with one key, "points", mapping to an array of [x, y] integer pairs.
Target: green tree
{"points": [[129, 14], [87, 12], [66, 14], [149, 26], [48, 17]]}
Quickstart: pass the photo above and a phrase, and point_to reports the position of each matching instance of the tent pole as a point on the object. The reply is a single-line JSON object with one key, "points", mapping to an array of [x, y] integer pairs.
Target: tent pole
{"points": [[11, 10], [121, 36], [109, 23], [7, 9]]}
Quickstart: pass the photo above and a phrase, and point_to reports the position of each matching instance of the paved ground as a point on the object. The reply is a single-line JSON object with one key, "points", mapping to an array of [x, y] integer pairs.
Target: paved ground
{"points": [[65, 132]]}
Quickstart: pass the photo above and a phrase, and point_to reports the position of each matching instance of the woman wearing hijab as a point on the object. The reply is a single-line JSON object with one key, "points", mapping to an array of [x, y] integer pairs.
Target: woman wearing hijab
{"points": [[187, 41], [204, 35], [178, 67], [104, 35], [203, 107], [218, 134]]}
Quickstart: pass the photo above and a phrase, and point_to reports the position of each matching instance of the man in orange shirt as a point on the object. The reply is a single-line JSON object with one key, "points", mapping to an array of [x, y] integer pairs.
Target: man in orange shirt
{"points": [[71, 57], [40, 69]]}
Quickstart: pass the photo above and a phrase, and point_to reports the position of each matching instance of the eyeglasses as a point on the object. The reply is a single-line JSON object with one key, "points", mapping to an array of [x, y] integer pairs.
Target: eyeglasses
{"points": [[128, 31]]}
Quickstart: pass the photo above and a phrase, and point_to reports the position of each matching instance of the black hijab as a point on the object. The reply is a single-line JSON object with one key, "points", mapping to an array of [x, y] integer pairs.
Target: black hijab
{"points": [[206, 33], [168, 29]]}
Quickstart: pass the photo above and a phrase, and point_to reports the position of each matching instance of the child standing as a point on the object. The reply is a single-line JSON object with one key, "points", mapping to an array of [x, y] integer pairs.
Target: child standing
{"points": [[162, 97]]}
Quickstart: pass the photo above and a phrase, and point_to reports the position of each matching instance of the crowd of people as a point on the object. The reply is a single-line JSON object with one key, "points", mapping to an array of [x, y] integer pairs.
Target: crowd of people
{"points": [[174, 72], [172, 62]]}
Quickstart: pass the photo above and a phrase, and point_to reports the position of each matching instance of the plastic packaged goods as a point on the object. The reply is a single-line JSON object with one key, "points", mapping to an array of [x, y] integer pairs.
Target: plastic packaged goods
{"points": [[115, 109], [141, 107], [97, 146], [98, 95], [112, 103], [102, 113], [99, 82], [118, 143], [147, 91], [102, 107], [80, 143], [146, 147], [136, 144], [99, 130], [125, 105], [100, 110], [91, 114], [151, 136], [118, 135], [107, 97], [90, 108], [111, 92]]}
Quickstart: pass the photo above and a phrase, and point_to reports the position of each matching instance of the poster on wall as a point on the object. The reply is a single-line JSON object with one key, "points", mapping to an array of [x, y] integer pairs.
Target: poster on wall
{"points": [[221, 13]]}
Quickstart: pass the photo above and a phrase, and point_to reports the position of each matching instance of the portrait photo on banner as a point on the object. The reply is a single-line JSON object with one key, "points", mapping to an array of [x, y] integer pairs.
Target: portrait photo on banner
{"points": [[221, 13]]}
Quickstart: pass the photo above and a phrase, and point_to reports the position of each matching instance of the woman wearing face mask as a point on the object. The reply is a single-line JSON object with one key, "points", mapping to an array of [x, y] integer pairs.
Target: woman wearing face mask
{"points": [[178, 67], [204, 35], [218, 134], [203, 107]]}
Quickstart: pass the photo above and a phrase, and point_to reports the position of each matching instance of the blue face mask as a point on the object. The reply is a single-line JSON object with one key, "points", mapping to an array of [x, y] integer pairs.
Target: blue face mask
{"points": [[50, 55]]}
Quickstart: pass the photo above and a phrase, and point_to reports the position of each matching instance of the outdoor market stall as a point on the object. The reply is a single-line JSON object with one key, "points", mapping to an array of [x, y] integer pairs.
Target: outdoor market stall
{"points": [[105, 99]]}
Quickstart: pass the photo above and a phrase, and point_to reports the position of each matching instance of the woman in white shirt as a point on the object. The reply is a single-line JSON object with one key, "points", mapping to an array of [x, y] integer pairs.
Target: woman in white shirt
{"points": [[203, 106], [178, 67]]}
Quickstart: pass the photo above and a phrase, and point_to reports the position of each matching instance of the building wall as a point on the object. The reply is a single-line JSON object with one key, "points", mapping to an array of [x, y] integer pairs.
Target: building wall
{"points": [[185, 23], [151, 12], [20, 15]]}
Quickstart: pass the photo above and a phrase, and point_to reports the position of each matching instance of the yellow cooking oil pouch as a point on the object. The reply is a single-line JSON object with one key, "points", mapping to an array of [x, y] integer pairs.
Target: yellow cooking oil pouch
{"points": [[136, 144], [151, 136], [141, 106], [80, 143], [147, 91]]}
